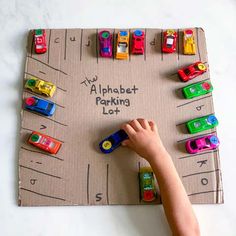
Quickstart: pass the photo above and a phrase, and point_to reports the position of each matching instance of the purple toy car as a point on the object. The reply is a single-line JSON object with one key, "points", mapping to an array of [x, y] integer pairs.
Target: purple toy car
{"points": [[105, 42], [208, 142]]}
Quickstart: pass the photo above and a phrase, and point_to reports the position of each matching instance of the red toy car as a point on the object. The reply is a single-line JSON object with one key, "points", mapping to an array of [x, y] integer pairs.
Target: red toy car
{"points": [[44, 142], [169, 44], [192, 71], [138, 42], [40, 44]]}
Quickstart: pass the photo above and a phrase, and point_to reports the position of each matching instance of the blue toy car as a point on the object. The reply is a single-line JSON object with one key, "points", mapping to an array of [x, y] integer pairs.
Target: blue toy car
{"points": [[113, 141], [39, 105]]}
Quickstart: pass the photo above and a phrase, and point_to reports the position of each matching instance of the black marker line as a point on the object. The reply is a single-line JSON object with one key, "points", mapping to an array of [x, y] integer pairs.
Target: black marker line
{"points": [[43, 195], [97, 44], [199, 154], [49, 41], [194, 101], [88, 169], [81, 41], [32, 44], [65, 44], [38, 162], [162, 45], [198, 48], [145, 45], [198, 173], [48, 65], [178, 43], [130, 45], [107, 186], [47, 118], [25, 167], [41, 153], [27, 129], [113, 44], [34, 130], [64, 90], [212, 191], [42, 72], [193, 137], [139, 189], [40, 96]]}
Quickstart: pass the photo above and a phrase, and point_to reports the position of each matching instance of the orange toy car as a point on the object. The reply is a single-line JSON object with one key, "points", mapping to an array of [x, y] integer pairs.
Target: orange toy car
{"points": [[44, 142]]}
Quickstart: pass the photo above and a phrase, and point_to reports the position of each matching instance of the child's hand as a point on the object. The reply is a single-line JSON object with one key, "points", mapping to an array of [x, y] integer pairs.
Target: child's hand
{"points": [[143, 138]]}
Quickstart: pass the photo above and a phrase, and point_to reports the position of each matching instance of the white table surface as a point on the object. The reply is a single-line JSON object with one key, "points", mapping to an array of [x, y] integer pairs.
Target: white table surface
{"points": [[217, 17]]}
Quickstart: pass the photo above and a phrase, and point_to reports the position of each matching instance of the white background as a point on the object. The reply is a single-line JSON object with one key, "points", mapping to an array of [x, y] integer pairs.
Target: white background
{"points": [[218, 18]]}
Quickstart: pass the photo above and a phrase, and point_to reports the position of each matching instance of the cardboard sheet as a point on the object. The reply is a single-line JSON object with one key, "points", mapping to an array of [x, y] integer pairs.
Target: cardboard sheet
{"points": [[94, 97]]}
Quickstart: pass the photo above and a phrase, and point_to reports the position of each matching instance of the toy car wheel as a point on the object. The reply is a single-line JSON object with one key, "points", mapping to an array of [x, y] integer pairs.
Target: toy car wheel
{"points": [[105, 34], [212, 119], [206, 86], [123, 33], [214, 140], [201, 66], [138, 33], [34, 138], [106, 145], [189, 31], [31, 82], [30, 101]]}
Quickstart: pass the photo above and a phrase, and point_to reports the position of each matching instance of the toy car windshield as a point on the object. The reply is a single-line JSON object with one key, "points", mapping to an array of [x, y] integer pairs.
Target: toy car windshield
{"points": [[187, 71], [122, 47], [169, 41]]}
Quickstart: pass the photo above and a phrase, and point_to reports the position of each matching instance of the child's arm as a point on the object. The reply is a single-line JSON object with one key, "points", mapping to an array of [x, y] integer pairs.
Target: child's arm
{"points": [[145, 141]]}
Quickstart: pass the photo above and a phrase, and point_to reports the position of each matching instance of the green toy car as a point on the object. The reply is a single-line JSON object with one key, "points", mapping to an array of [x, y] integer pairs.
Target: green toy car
{"points": [[197, 89], [200, 124], [147, 186]]}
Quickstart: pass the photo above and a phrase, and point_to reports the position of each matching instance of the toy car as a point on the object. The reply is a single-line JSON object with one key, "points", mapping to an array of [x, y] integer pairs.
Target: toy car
{"points": [[169, 44], [209, 142], [138, 42], [113, 141], [189, 42], [196, 90], [122, 49], [44, 142], [40, 86], [147, 186], [39, 105], [40, 44], [105, 41], [202, 124], [192, 71]]}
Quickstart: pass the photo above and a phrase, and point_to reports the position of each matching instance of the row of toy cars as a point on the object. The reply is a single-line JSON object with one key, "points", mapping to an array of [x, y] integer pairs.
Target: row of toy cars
{"points": [[122, 44], [207, 142], [138, 43], [42, 107], [123, 40]]}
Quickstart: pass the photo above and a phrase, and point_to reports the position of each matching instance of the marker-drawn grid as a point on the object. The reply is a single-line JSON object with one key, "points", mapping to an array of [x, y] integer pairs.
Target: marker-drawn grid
{"points": [[80, 174]]}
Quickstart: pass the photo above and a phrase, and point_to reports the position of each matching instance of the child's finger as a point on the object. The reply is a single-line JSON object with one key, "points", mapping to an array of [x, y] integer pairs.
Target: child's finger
{"points": [[135, 125], [153, 126], [144, 123], [128, 129]]}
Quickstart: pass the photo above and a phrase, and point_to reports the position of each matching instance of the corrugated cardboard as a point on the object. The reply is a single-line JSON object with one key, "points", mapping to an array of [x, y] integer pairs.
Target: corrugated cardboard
{"points": [[143, 86]]}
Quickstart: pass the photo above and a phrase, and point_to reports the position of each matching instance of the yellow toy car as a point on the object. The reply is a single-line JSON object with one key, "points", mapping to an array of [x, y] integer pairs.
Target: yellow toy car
{"points": [[40, 86], [122, 49], [189, 42]]}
